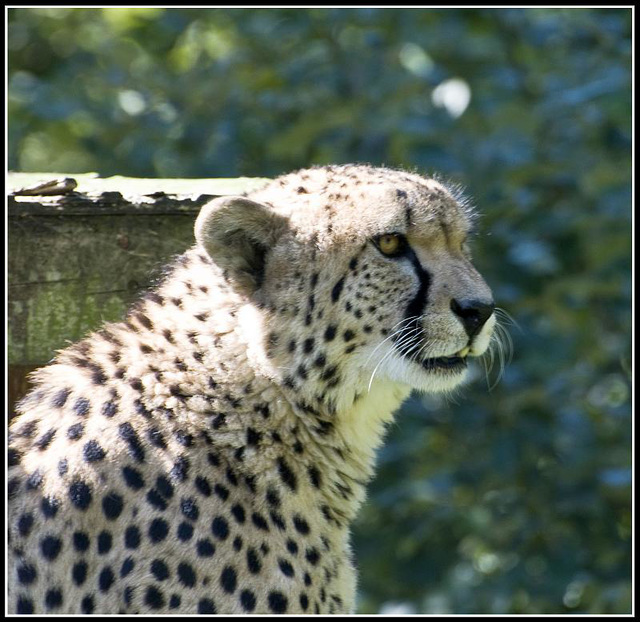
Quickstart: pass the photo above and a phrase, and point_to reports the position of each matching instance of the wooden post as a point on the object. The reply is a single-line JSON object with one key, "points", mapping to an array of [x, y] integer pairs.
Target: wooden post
{"points": [[82, 248]]}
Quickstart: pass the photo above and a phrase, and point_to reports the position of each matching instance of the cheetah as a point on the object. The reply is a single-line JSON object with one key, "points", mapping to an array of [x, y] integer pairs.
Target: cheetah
{"points": [[208, 453]]}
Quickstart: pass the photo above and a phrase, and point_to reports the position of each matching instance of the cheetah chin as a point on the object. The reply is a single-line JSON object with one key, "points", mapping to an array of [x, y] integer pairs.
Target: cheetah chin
{"points": [[209, 453]]}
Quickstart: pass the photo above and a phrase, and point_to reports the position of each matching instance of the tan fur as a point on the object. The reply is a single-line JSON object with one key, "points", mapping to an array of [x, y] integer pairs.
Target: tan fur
{"points": [[229, 425]]}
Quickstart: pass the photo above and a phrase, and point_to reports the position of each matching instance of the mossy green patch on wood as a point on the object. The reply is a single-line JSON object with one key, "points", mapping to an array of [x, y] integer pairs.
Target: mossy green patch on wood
{"points": [[74, 265], [68, 275]]}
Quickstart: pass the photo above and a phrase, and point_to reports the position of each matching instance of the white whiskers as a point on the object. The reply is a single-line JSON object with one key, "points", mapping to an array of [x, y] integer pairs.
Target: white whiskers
{"points": [[501, 346], [405, 337]]}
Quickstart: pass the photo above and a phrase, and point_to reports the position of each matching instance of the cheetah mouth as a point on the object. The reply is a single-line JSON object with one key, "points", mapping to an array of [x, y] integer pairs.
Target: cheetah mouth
{"points": [[447, 363], [454, 363]]}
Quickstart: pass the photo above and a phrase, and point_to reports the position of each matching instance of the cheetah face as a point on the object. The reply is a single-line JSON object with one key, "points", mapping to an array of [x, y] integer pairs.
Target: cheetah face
{"points": [[436, 310], [364, 274]]}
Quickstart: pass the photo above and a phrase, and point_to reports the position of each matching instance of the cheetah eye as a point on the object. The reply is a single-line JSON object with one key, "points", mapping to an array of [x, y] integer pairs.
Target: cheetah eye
{"points": [[391, 244]]}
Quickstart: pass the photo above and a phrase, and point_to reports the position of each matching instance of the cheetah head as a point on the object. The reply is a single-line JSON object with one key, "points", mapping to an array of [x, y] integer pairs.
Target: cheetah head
{"points": [[355, 275]]}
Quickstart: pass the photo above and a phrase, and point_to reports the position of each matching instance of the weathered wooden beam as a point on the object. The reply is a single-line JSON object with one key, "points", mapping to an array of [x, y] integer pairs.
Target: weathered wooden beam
{"points": [[79, 258]]}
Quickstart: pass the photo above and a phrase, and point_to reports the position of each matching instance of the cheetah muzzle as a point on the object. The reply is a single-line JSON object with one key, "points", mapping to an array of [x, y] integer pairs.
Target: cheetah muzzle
{"points": [[208, 453]]}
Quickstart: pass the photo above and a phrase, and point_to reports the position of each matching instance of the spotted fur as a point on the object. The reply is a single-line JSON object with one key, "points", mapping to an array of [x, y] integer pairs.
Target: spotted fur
{"points": [[208, 453]]}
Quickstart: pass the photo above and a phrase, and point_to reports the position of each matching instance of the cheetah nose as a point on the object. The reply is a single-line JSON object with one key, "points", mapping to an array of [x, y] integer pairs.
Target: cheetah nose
{"points": [[472, 313]]}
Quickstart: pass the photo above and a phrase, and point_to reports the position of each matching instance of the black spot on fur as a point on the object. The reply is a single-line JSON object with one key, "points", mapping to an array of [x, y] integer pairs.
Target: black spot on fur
{"points": [[164, 487], [63, 466], [79, 573], [132, 537], [144, 320], [97, 375], [205, 548], [231, 477], [218, 421], [312, 556], [206, 605], [329, 372], [13, 456], [337, 290], [186, 574], [221, 491], [314, 476], [27, 574], [287, 475], [330, 333], [220, 528], [105, 541], [259, 521], [301, 525], [277, 602], [248, 600], [45, 440], [263, 409], [190, 509], [155, 297], [60, 398], [254, 564], [109, 409], [156, 438], [75, 431], [92, 451], [273, 498], [238, 513], [203, 486], [81, 407], [325, 427], [154, 598], [130, 436], [35, 479], [112, 505], [253, 437], [49, 506], [87, 605], [80, 495], [81, 541], [184, 532], [158, 530], [286, 568], [25, 524], [407, 217], [159, 570], [180, 470], [50, 547]]}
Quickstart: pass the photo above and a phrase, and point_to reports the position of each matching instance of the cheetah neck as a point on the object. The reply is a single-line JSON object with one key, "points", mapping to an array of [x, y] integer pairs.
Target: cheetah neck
{"points": [[235, 392], [342, 434]]}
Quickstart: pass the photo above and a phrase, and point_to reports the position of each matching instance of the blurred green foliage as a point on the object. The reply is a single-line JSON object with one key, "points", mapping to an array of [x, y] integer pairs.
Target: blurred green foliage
{"points": [[513, 500]]}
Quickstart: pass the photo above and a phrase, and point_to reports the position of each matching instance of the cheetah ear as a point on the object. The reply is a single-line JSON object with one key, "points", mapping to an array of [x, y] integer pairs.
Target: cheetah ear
{"points": [[237, 234]]}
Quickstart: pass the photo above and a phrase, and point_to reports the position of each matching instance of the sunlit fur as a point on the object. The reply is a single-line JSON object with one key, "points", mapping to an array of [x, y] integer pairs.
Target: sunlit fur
{"points": [[284, 336]]}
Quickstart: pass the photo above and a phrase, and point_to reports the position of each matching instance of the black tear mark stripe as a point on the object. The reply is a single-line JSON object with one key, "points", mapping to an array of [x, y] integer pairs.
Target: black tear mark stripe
{"points": [[416, 307]]}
